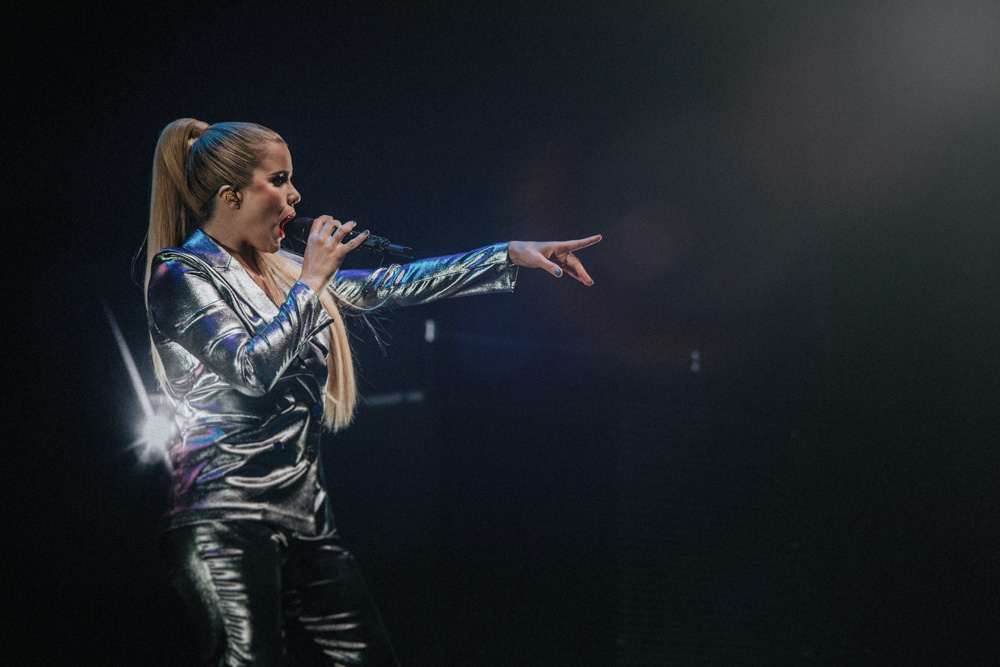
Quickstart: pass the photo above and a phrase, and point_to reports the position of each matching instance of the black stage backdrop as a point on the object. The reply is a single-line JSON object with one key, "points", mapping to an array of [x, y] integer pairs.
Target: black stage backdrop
{"points": [[767, 435]]}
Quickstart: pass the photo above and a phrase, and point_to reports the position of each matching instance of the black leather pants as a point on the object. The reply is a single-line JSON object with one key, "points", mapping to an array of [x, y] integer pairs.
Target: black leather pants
{"points": [[259, 596]]}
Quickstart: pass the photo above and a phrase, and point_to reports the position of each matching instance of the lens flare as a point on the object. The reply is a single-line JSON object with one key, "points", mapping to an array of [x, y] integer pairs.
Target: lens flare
{"points": [[157, 429]]}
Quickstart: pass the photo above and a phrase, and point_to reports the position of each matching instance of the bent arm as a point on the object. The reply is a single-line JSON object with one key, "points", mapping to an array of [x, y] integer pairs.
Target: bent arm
{"points": [[482, 271], [192, 307]]}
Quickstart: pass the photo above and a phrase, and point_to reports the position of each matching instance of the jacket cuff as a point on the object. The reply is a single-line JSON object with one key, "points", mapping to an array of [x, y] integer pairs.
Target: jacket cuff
{"points": [[511, 276], [314, 316]]}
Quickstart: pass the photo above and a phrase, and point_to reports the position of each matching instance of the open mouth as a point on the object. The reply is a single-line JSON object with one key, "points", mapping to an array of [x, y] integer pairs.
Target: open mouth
{"points": [[281, 225]]}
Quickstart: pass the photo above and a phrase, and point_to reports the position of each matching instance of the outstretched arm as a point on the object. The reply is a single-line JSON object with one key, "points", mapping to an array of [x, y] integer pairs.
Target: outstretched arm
{"points": [[482, 271], [553, 256]]}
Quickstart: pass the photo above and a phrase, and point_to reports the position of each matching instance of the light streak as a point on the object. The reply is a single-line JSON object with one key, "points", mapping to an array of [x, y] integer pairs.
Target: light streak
{"points": [[158, 428]]}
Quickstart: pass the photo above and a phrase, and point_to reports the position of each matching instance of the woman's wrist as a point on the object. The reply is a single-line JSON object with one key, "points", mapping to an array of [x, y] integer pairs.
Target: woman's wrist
{"points": [[313, 283], [515, 252]]}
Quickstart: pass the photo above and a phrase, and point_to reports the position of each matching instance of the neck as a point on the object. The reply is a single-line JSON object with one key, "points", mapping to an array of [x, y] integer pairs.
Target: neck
{"points": [[241, 250], [246, 257]]}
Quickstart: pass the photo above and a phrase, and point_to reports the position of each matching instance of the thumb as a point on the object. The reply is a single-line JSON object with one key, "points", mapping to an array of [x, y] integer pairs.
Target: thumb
{"points": [[552, 268]]}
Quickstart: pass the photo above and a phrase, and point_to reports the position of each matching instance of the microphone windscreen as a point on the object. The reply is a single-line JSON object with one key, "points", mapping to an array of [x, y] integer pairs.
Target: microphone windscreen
{"points": [[298, 229]]}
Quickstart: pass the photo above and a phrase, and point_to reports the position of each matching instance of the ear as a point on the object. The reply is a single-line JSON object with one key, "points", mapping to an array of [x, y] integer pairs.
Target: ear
{"points": [[228, 196]]}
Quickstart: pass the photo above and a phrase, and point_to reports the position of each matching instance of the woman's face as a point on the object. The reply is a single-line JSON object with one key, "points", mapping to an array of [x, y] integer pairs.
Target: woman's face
{"points": [[269, 200]]}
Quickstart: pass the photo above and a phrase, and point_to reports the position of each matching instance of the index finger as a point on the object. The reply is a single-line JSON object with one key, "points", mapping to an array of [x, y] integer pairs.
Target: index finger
{"points": [[582, 243]]}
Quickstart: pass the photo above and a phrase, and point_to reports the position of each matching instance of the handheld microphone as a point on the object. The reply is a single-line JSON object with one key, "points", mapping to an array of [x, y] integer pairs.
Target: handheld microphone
{"points": [[299, 229]]}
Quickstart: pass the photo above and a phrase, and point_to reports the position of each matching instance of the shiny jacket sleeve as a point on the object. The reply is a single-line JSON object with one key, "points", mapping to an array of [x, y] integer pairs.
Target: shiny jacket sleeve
{"points": [[191, 306], [481, 271]]}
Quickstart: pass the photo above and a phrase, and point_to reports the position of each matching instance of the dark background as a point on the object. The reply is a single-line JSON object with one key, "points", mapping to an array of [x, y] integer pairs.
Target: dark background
{"points": [[767, 435]]}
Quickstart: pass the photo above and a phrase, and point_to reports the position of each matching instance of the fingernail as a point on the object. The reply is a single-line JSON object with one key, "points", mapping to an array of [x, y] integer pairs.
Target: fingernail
{"points": [[558, 272], [365, 232]]}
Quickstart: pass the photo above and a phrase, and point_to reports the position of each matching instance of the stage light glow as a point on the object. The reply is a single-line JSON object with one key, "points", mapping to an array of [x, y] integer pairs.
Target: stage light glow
{"points": [[156, 429]]}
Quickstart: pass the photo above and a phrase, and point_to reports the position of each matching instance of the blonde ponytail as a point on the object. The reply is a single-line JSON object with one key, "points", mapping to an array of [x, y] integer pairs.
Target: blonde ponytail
{"points": [[192, 161], [170, 195], [168, 198]]}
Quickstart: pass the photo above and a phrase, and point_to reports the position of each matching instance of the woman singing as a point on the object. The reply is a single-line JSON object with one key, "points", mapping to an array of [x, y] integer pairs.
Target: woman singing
{"points": [[249, 344]]}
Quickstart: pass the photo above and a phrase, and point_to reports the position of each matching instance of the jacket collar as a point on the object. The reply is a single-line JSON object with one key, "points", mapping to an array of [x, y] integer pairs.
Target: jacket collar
{"points": [[205, 247], [232, 272]]}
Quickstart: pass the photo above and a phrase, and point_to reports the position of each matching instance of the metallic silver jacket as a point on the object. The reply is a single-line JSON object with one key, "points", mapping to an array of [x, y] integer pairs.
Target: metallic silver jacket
{"points": [[246, 377]]}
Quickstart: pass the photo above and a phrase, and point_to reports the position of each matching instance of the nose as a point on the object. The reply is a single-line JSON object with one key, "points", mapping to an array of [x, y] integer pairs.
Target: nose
{"points": [[294, 197]]}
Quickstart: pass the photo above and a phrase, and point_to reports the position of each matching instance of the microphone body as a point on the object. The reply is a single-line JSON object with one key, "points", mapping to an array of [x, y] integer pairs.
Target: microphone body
{"points": [[299, 229]]}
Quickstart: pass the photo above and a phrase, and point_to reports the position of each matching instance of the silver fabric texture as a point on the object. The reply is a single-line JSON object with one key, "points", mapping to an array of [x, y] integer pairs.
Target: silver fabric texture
{"points": [[246, 376], [259, 597]]}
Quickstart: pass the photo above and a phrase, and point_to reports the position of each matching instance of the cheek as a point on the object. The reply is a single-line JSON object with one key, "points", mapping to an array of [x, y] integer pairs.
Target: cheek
{"points": [[270, 199], [276, 201]]}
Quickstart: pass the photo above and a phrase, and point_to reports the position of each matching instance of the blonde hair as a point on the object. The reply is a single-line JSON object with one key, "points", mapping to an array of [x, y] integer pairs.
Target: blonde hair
{"points": [[192, 161]]}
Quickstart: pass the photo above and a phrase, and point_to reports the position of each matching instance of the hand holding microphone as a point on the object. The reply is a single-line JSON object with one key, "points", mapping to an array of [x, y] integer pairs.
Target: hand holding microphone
{"points": [[299, 229], [325, 250], [328, 241]]}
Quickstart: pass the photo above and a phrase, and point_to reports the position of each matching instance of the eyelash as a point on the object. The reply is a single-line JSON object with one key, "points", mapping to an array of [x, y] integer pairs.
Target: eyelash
{"points": [[279, 180]]}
